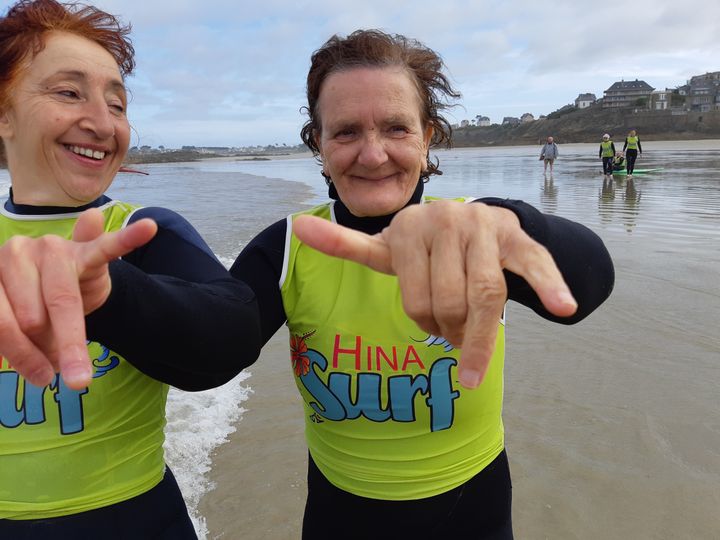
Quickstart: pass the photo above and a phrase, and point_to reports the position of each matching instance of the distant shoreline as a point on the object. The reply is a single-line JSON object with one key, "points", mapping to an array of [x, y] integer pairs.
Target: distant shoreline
{"points": [[184, 156], [180, 156]]}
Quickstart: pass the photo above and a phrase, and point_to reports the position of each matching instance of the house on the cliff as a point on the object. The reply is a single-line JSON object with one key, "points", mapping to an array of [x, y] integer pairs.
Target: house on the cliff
{"points": [[583, 101], [527, 117], [704, 92], [482, 121], [510, 121], [660, 100], [626, 94]]}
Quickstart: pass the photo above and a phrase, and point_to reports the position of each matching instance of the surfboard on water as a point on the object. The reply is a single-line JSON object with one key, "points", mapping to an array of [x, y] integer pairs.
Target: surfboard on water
{"points": [[639, 171]]}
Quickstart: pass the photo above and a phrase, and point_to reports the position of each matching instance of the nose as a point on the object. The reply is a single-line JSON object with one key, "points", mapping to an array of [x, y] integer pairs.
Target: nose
{"points": [[98, 118], [372, 152]]}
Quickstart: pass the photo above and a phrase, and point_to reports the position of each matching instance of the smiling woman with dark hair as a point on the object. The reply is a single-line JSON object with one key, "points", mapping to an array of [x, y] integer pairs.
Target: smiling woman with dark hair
{"points": [[405, 431]]}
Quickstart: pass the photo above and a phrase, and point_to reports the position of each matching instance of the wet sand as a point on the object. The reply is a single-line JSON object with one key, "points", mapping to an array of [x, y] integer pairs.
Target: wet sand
{"points": [[260, 472], [612, 425], [602, 444]]}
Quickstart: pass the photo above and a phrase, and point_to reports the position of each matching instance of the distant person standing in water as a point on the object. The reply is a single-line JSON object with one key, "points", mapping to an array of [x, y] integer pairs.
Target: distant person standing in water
{"points": [[631, 148], [549, 153], [607, 154]]}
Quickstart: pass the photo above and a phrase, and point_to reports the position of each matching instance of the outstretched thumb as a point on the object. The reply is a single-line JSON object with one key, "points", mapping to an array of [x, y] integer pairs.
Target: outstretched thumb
{"points": [[88, 226], [111, 245], [338, 241]]}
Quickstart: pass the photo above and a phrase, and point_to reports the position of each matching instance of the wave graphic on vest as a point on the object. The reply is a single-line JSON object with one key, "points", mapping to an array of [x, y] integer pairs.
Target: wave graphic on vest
{"points": [[333, 399]]}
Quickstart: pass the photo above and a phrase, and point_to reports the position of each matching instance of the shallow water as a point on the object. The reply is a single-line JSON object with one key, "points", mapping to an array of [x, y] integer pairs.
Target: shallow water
{"points": [[613, 426]]}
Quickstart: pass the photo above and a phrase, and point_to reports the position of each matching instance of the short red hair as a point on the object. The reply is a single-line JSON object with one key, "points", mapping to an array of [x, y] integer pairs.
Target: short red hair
{"points": [[24, 27], [23, 30]]}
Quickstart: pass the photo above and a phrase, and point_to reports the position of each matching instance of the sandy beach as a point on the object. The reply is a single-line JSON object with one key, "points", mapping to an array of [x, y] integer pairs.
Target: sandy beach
{"points": [[260, 472], [612, 425], [588, 460]]}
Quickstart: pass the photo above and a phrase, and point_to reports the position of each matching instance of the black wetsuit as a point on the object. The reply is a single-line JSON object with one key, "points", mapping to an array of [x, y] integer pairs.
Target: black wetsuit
{"points": [[587, 269], [607, 161], [631, 154]]}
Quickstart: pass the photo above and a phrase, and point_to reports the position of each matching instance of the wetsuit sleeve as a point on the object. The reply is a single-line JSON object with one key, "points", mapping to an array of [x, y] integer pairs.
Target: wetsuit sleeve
{"points": [[260, 266], [625, 145], [579, 253], [639, 146], [175, 313]]}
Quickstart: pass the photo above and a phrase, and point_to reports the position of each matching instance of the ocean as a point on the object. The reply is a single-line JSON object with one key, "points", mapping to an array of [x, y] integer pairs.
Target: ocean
{"points": [[653, 346]]}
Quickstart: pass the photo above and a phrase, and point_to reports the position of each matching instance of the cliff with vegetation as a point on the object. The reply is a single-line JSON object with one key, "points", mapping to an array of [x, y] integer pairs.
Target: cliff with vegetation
{"points": [[571, 125]]}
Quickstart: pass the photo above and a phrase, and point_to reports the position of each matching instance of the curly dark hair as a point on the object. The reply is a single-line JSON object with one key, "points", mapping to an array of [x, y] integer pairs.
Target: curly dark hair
{"points": [[374, 48]]}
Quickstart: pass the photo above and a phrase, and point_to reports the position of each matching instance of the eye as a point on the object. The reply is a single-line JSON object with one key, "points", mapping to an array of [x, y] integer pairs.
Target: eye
{"points": [[72, 94], [117, 108], [399, 130], [345, 133]]}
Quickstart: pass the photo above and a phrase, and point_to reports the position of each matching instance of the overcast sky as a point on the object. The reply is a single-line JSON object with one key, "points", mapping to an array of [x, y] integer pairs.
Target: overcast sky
{"points": [[232, 73]]}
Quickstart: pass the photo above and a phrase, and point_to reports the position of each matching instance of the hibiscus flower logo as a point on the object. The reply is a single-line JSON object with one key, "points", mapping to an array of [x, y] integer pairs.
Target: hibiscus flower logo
{"points": [[298, 348]]}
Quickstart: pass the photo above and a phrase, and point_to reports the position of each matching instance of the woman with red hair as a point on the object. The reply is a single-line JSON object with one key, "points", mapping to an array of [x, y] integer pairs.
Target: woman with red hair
{"points": [[81, 460]]}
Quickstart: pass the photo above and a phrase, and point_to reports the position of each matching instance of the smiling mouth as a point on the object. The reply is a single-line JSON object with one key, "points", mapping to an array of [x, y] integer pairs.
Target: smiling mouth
{"points": [[86, 152], [375, 178]]}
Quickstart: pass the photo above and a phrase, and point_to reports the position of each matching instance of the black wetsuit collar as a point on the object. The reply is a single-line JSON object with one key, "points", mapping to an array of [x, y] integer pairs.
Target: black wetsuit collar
{"points": [[28, 209], [369, 225]]}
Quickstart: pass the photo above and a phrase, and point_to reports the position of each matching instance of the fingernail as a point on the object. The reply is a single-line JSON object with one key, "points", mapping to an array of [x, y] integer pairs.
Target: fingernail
{"points": [[76, 377], [470, 378], [77, 374], [567, 298]]}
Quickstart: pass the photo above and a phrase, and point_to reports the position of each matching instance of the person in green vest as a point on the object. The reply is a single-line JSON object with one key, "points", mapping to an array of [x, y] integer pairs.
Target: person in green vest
{"points": [[607, 154], [85, 336], [632, 149], [618, 161], [397, 326]]}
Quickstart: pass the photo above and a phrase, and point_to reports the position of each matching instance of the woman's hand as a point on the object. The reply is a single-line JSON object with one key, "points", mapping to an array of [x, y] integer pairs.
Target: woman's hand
{"points": [[48, 285], [449, 258]]}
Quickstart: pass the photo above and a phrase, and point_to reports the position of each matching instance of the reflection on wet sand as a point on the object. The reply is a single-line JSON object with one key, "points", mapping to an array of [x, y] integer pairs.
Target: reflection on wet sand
{"points": [[549, 195], [631, 200], [630, 208]]}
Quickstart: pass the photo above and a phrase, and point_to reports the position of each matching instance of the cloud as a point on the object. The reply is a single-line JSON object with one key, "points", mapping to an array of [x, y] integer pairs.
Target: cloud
{"points": [[220, 72]]}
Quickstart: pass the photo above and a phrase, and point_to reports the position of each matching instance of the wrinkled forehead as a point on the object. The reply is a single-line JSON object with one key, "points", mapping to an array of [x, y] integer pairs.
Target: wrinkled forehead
{"points": [[397, 84], [66, 51]]}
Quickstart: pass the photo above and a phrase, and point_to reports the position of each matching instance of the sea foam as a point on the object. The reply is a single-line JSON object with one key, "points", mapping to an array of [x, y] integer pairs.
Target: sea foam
{"points": [[197, 423]]}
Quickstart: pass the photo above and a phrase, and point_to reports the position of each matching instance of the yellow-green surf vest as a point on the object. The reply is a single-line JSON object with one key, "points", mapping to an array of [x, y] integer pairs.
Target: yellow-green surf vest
{"points": [[632, 143], [606, 149], [64, 451], [385, 415]]}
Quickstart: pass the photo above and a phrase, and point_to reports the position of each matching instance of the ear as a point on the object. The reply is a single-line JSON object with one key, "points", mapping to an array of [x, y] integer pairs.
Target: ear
{"points": [[427, 136], [5, 125]]}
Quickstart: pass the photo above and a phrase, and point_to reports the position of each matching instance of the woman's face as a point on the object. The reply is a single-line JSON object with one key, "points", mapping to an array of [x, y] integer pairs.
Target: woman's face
{"points": [[372, 141], [65, 131]]}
